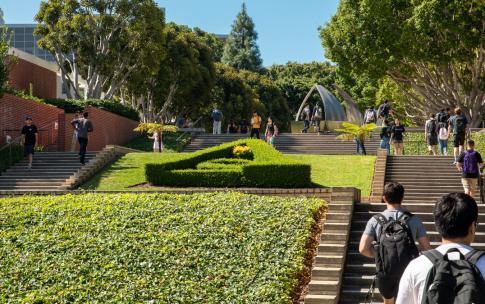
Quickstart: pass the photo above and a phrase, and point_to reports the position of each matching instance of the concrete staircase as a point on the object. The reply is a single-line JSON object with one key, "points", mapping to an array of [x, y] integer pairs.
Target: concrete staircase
{"points": [[291, 143], [49, 171], [425, 179]]}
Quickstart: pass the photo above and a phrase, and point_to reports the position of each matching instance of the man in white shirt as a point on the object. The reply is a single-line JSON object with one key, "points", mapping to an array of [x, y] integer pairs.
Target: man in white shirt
{"points": [[456, 216]]}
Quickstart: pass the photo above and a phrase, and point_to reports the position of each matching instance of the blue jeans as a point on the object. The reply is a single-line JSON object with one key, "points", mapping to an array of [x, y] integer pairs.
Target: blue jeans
{"points": [[360, 147], [385, 144], [306, 125], [83, 144], [443, 146]]}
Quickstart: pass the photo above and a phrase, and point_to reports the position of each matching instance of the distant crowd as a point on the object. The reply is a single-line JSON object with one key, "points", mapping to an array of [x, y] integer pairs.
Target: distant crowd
{"points": [[243, 127]]}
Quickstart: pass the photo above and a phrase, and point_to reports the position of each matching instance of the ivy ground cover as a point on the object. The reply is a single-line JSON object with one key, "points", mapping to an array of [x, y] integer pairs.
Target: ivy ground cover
{"points": [[153, 248]]}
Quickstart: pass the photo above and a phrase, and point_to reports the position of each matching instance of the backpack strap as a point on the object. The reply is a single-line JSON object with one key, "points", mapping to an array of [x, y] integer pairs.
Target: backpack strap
{"points": [[474, 255], [381, 219], [433, 255], [405, 216]]}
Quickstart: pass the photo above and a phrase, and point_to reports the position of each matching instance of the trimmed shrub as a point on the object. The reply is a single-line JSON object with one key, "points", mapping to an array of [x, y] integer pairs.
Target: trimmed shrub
{"points": [[153, 248], [269, 168], [222, 163]]}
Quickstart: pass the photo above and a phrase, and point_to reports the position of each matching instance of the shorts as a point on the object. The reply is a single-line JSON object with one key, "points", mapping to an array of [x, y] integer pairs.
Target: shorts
{"points": [[388, 286], [398, 143], [469, 183], [458, 140], [432, 140], [28, 149]]}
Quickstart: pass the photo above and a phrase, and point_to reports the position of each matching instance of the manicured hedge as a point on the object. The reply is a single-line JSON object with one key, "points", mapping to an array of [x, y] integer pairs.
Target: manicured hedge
{"points": [[153, 248], [9, 156], [269, 168]]}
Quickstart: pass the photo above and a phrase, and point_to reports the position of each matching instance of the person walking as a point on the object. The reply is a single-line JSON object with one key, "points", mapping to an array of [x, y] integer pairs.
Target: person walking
{"points": [[85, 126], [74, 124], [455, 261], [458, 125], [442, 117], [385, 136], [389, 237], [271, 132], [30, 139], [397, 137], [157, 141], [255, 125], [431, 134], [370, 115], [305, 116], [317, 118], [216, 121], [443, 139], [384, 110], [469, 164]]}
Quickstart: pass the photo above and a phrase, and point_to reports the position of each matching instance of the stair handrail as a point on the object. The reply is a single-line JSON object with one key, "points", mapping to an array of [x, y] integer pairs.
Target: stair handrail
{"points": [[193, 125]]}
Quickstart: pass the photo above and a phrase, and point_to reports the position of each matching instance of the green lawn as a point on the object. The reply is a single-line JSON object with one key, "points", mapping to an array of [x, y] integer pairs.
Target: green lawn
{"points": [[341, 171], [327, 171], [154, 248]]}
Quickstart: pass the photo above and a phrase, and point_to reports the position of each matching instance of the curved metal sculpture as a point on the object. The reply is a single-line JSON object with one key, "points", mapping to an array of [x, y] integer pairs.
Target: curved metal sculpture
{"points": [[353, 112], [333, 109]]}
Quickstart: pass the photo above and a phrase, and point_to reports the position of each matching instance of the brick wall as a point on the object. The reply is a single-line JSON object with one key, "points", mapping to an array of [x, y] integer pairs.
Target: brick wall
{"points": [[44, 81], [12, 116], [109, 129], [55, 131]]}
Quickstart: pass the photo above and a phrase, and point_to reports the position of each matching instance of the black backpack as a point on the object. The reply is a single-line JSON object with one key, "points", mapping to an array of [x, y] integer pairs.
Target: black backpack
{"points": [[432, 127], [455, 281], [395, 247]]}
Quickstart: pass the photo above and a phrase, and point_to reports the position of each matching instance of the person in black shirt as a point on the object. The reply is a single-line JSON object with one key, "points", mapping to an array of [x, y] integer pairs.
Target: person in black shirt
{"points": [[29, 131], [231, 127], [397, 137]]}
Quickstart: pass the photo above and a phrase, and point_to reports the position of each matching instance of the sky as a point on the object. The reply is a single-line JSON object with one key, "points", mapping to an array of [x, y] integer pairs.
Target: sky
{"points": [[287, 29]]}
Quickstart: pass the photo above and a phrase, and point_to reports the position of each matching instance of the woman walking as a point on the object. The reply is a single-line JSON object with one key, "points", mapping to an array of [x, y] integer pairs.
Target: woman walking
{"points": [[397, 139], [271, 131], [386, 136]]}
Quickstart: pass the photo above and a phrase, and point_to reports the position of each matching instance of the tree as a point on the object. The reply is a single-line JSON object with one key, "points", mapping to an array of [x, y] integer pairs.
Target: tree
{"points": [[182, 81], [434, 50], [359, 134], [2, 21], [213, 42], [241, 50], [103, 41], [6, 60]]}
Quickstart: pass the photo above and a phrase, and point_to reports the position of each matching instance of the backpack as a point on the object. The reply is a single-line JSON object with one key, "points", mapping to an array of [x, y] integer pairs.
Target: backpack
{"points": [[217, 115], [432, 126], [470, 162], [443, 133], [459, 124], [383, 110], [395, 247], [370, 116], [454, 281]]}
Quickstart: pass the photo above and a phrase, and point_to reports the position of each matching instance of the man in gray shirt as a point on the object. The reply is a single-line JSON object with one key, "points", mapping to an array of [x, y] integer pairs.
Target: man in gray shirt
{"points": [[393, 196], [83, 127]]}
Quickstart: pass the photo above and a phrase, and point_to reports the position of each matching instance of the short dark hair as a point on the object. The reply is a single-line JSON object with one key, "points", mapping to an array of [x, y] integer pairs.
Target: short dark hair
{"points": [[458, 111], [448, 109], [442, 110], [85, 114], [453, 215], [386, 101], [431, 115], [386, 122], [394, 193], [471, 142]]}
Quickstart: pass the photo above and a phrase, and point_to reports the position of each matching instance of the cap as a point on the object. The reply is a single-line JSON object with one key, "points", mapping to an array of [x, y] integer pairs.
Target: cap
{"points": [[28, 117]]}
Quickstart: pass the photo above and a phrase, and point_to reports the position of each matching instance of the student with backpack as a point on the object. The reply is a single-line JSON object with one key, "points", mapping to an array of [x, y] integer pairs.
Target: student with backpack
{"points": [[305, 116], [370, 116], [397, 137], [390, 237], [431, 134], [458, 125], [442, 117], [453, 272], [317, 118], [384, 110], [217, 121], [469, 164], [443, 140]]}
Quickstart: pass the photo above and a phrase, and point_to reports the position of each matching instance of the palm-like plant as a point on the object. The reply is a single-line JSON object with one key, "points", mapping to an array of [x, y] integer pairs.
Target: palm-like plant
{"points": [[353, 132]]}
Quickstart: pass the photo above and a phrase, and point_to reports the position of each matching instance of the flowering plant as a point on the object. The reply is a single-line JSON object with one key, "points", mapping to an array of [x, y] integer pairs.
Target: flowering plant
{"points": [[242, 152]]}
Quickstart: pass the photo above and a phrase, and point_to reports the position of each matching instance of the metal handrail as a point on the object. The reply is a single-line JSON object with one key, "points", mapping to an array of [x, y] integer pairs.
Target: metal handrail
{"points": [[193, 125]]}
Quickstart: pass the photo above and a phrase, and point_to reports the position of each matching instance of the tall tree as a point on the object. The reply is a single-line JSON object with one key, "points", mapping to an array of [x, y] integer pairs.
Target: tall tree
{"points": [[434, 50], [241, 50], [6, 60], [2, 21], [103, 41], [180, 82]]}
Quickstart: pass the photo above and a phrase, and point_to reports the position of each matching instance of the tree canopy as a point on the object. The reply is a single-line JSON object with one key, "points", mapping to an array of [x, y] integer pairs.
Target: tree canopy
{"points": [[434, 50], [2, 21], [102, 41], [241, 50], [5, 59]]}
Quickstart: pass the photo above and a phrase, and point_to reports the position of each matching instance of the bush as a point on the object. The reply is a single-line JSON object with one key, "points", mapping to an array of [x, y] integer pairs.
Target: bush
{"points": [[269, 168], [222, 163], [9, 155], [153, 248]]}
